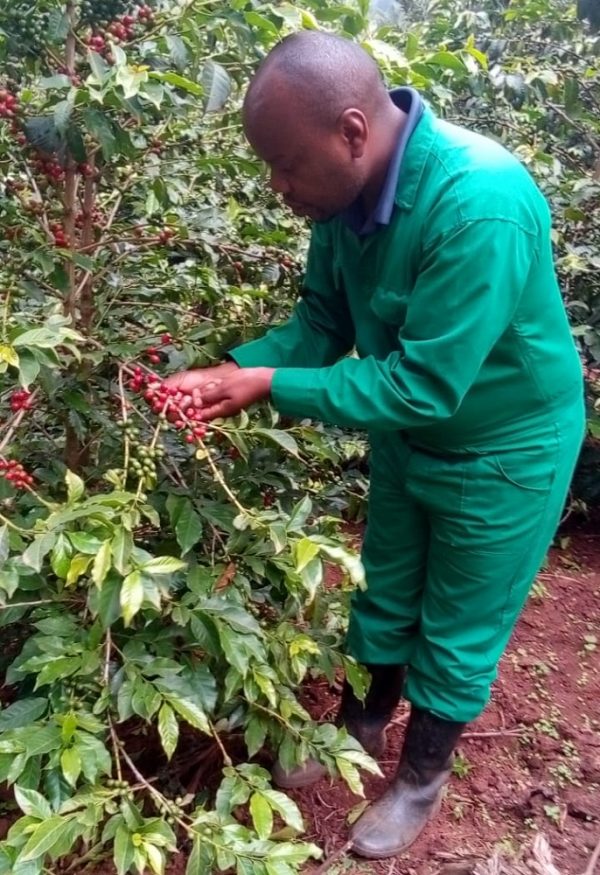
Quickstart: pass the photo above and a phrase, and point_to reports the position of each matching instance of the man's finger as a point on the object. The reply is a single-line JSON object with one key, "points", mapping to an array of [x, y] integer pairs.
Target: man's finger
{"points": [[213, 393], [215, 411]]}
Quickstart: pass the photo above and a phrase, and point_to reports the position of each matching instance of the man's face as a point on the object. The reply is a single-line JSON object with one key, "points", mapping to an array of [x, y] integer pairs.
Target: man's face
{"points": [[314, 170]]}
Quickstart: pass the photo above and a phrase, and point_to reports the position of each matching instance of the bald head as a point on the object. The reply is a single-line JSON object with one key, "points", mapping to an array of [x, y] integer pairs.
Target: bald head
{"points": [[322, 73], [317, 112]]}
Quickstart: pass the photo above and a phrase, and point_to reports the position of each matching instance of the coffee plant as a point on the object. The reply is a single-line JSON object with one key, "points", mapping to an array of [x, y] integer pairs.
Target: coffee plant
{"points": [[163, 589]]}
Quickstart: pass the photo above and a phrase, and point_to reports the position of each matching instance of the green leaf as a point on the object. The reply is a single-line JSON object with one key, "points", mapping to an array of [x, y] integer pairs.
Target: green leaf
{"points": [[29, 368], [448, 61], [122, 545], [33, 803], [168, 729], [85, 543], [79, 565], [102, 563], [350, 774], [162, 565], [262, 815], [177, 50], [179, 82], [123, 850], [39, 548], [261, 22], [59, 667], [22, 713], [191, 712], [155, 857], [201, 859], [216, 85], [132, 596], [75, 487], [62, 115], [4, 544], [255, 734], [41, 132], [99, 67], [70, 763], [61, 556], [278, 535], [49, 833], [285, 807], [101, 129], [282, 438], [39, 739], [57, 27], [187, 523], [305, 550]]}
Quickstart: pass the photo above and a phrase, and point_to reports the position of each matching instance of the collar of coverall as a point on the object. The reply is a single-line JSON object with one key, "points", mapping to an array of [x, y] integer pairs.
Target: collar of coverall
{"points": [[354, 216]]}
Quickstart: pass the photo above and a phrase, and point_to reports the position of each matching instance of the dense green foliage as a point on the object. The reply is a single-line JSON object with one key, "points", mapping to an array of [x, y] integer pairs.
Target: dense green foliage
{"points": [[158, 582]]}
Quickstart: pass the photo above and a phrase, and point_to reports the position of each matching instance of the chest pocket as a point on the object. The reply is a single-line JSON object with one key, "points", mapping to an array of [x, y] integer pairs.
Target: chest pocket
{"points": [[390, 305]]}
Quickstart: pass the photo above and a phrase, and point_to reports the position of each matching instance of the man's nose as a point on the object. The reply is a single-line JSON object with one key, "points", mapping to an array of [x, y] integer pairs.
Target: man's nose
{"points": [[278, 182]]}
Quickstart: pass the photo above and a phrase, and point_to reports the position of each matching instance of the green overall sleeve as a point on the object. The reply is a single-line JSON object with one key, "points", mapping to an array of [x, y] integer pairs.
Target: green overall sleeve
{"points": [[320, 329], [462, 302]]}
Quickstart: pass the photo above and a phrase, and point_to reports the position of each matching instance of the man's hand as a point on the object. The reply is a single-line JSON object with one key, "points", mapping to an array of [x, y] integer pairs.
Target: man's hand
{"points": [[235, 392], [192, 383]]}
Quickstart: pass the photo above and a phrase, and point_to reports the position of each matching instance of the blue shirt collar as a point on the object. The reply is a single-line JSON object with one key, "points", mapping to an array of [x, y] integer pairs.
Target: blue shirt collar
{"points": [[354, 216]]}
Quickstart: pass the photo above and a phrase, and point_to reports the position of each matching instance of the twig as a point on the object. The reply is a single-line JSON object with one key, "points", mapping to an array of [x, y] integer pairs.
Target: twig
{"points": [[4, 607], [333, 858], [16, 421], [589, 869], [108, 648], [226, 758], [494, 733]]}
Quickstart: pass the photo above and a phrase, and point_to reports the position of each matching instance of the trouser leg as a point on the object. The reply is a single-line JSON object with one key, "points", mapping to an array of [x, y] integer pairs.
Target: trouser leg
{"points": [[492, 520], [384, 618]]}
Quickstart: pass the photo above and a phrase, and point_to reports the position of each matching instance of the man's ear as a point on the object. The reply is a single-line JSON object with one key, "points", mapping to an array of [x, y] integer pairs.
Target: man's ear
{"points": [[354, 128]]}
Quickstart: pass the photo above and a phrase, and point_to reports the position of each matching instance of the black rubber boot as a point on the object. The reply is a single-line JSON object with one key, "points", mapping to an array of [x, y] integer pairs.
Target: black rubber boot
{"points": [[366, 721], [393, 822]]}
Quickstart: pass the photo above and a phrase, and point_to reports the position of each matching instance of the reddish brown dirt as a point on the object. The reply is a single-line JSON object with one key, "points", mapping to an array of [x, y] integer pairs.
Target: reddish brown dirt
{"points": [[532, 759]]}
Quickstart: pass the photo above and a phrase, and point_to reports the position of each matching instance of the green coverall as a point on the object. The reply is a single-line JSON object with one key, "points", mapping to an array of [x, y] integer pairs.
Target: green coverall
{"points": [[469, 384]]}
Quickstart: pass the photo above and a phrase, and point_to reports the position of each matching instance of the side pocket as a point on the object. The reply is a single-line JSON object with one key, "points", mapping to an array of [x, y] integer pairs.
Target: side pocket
{"points": [[532, 470]]}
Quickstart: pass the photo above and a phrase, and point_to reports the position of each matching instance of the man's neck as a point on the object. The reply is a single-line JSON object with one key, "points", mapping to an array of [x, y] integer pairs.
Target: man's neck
{"points": [[386, 136]]}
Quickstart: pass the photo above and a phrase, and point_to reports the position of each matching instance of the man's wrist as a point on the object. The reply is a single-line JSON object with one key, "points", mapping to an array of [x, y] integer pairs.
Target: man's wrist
{"points": [[266, 379]]}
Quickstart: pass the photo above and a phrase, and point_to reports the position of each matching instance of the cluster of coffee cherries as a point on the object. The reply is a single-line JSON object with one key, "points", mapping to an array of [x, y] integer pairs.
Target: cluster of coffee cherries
{"points": [[166, 235], [15, 473], [25, 26], [122, 29], [143, 458], [49, 168], [61, 238], [9, 104], [166, 404], [75, 78], [153, 353], [96, 42], [101, 12], [122, 787], [86, 169], [20, 400], [97, 216]]}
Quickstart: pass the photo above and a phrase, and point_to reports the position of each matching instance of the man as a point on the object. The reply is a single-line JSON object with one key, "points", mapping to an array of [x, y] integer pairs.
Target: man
{"points": [[430, 256]]}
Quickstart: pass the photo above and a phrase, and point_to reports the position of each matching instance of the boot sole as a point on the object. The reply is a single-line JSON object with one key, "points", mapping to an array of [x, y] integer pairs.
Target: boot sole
{"points": [[367, 854]]}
